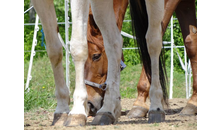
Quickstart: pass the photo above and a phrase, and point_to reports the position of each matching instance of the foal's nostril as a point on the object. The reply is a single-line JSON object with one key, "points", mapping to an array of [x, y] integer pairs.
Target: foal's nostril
{"points": [[91, 106], [92, 109]]}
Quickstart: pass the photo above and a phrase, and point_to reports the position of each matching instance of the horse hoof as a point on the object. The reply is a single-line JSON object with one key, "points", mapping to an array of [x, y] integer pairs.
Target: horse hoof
{"points": [[59, 119], [75, 120], [137, 112], [103, 118], [188, 110], [156, 116]]}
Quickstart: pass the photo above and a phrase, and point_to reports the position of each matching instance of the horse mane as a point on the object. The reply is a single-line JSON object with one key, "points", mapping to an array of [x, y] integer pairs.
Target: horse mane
{"points": [[94, 35]]}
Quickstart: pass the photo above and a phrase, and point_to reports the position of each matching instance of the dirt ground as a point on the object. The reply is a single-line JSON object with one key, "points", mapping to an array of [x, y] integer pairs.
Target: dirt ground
{"points": [[42, 119]]}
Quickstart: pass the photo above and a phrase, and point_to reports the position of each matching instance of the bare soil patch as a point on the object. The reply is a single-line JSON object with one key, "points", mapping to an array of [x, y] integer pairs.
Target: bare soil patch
{"points": [[42, 119]]}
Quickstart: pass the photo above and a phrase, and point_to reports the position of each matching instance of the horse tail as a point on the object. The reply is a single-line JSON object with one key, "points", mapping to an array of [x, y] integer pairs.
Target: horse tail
{"points": [[139, 20]]}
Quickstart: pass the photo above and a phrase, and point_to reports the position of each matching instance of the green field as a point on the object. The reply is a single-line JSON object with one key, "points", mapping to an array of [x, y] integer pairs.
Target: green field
{"points": [[42, 86]]}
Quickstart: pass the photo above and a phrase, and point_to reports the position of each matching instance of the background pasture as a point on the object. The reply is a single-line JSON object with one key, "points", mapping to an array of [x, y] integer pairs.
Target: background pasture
{"points": [[42, 86]]}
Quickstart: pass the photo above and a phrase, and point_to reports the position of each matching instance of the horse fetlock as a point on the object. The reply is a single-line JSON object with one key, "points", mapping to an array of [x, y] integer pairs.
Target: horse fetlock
{"points": [[156, 99], [62, 106], [80, 106], [117, 111], [63, 101], [141, 102]]}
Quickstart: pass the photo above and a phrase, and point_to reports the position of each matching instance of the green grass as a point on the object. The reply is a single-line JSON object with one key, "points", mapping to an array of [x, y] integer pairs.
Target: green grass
{"points": [[129, 80], [42, 86]]}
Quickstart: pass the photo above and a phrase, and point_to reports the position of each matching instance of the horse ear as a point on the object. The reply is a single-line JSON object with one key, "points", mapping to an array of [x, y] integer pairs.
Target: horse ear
{"points": [[193, 29]]}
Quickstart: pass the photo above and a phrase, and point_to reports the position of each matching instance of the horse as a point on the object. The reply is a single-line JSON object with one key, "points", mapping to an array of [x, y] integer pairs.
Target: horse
{"points": [[146, 16], [185, 12]]}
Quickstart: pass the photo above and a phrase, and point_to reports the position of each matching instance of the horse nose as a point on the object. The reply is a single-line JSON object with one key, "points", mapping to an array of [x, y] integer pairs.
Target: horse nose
{"points": [[92, 109]]}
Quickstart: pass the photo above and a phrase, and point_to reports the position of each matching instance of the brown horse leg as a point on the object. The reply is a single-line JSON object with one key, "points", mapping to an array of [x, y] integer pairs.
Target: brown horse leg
{"points": [[186, 15], [191, 44], [170, 6], [140, 107]]}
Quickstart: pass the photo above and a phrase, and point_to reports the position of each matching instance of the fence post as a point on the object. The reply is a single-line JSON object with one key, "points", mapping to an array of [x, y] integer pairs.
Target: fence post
{"points": [[67, 43], [34, 43], [171, 68]]}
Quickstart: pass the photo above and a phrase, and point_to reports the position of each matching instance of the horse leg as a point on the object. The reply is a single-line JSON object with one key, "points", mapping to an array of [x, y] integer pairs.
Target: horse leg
{"points": [[170, 6], [140, 108], [155, 9], [187, 18], [105, 19], [191, 48], [46, 12], [79, 52]]}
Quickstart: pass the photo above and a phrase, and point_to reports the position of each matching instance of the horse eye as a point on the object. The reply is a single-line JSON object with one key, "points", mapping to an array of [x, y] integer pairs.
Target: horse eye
{"points": [[96, 57]]}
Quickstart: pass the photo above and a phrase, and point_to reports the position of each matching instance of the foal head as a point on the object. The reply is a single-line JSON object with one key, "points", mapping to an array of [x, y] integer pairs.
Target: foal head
{"points": [[96, 66], [95, 71]]}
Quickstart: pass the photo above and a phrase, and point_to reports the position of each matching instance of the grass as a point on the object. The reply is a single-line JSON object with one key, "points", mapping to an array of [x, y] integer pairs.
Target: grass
{"points": [[42, 86], [129, 80]]}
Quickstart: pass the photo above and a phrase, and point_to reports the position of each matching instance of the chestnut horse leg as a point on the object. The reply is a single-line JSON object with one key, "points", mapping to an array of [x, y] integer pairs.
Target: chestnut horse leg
{"points": [[186, 15], [140, 108], [45, 10], [105, 19], [79, 52]]}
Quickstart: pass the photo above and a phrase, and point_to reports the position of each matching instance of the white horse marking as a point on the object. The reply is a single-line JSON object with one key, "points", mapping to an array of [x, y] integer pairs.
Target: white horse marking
{"points": [[79, 52]]}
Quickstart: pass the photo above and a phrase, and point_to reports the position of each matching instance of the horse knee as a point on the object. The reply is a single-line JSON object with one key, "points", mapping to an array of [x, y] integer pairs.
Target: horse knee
{"points": [[55, 55], [154, 42], [191, 43], [79, 50]]}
